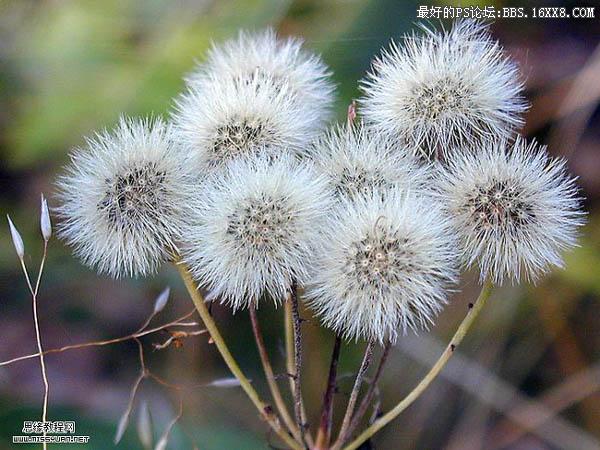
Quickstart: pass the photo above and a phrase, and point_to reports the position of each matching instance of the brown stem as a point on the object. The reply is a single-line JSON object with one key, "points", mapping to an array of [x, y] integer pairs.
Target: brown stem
{"points": [[270, 376], [324, 433], [366, 401], [291, 362], [298, 402], [366, 362]]}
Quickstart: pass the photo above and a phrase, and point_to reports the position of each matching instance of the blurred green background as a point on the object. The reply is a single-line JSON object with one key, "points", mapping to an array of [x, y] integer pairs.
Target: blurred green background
{"points": [[528, 377]]}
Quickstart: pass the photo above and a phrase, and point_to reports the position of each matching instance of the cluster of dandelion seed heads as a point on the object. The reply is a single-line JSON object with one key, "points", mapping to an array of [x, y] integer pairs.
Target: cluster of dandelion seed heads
{"points": [[358, 161], [255, 196], [124, 196], [443, 89], [256, 228], [514, 207], [385, 265]]}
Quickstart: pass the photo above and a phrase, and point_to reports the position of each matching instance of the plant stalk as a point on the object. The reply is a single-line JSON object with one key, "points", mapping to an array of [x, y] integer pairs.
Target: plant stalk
{"points": [[270, 376], [366, 362], [291, 363], [265, 410], [474, 310], [324, 433]]}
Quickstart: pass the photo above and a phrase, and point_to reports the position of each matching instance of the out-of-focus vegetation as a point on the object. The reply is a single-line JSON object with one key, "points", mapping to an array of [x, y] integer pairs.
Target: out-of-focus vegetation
{"points": [[68, 68]]}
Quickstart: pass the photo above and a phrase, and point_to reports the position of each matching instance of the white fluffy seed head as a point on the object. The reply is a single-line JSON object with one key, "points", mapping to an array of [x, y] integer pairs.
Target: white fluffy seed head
{"points": [[269, 60], [445, 88], [358, 161], [124, 198], [514, 207], [222, 119], [255, 229], [254, 94], [384, 267]]}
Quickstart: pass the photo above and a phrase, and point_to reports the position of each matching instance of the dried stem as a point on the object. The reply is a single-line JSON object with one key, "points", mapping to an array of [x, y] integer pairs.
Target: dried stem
{"points": [[270, 376], [297, 327], [34, 294], [178, 323], [124, 421], [324, 433], [291, 362], [265, 410], [366, 401], [366, 362], [162, 442], [474, 310]]}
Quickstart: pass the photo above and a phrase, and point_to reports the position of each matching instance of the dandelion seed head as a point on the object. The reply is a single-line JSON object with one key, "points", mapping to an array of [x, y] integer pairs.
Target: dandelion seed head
{"points": [[358, 161], [444, 89], [124, 198], [225, 119], [515, 209], [263, 58], [254, 94], [256, 228], [384, 266]]}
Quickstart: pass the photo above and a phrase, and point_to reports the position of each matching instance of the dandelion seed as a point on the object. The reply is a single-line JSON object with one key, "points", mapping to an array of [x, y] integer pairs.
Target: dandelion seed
{"points": [[125, 197], [445, 89], [514, 207], [385, 265], [255, 229], [359, 161]]}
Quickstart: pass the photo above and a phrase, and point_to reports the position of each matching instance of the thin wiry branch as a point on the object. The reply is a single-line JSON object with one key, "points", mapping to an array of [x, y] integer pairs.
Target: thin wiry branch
{"points": [[366, 401], [270, 376], [179, 322], [34, 294], [366, 362]]}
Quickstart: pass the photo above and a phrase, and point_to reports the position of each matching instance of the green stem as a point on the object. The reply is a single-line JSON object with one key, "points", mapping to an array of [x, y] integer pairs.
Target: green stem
{"points": [[265, 410], [474, 310]]}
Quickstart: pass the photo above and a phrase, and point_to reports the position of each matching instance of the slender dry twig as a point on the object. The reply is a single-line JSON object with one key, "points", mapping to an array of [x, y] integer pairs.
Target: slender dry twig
{"points": [[162, 442], [298, 402], [291, 361], [174, 323], [265, 410], [324, 433], [124, 421], [38, 338], [364, 366], [474, 310], [34, 295], [270, 376], [366, 401]]}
